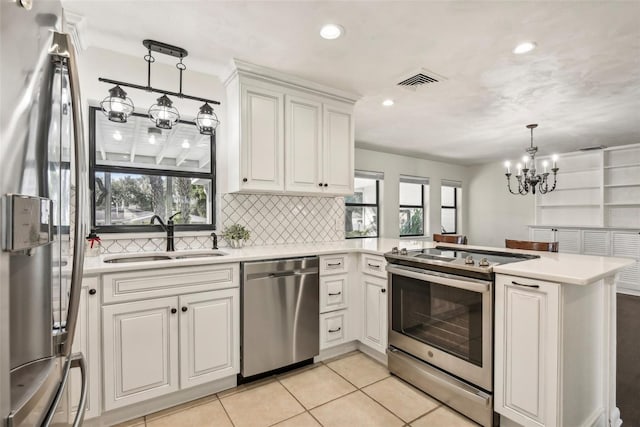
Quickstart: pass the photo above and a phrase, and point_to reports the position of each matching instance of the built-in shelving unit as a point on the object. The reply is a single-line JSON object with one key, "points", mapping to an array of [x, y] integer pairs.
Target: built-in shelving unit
{"points": [[622, 186]]}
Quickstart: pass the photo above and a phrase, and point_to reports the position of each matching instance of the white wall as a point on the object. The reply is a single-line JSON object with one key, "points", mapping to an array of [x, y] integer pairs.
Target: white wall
{"points": [[494, 214], [393, 166]]}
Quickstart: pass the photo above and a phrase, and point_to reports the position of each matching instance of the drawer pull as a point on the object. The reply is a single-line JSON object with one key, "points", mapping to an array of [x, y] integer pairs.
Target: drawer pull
{"points": [[333, 294], [373, 265], [338, 329], [526, 286], [337, 264]]}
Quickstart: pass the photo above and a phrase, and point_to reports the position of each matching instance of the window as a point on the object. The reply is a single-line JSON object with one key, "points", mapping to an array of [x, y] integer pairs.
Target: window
{"points": [[361, 209], [138, 171], [450, 202], [412, 205]]}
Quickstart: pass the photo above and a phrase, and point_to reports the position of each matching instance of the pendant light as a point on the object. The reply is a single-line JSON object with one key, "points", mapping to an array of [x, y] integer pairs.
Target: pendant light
{"points": [[164, 114], [207, 121], [117, 106]]}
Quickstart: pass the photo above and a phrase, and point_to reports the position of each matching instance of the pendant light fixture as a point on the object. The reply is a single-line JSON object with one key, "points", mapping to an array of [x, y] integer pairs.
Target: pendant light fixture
{"points": [[527, 177], [207, 121], [117, 106]]}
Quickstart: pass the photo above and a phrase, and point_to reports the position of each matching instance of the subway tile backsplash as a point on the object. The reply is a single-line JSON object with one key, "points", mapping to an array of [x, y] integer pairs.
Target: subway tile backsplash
{"points": [[271, 219]]}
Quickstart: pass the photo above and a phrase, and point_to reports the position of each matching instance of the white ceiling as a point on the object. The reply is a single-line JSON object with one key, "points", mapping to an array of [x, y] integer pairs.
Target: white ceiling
{"points": [[582, 83]]}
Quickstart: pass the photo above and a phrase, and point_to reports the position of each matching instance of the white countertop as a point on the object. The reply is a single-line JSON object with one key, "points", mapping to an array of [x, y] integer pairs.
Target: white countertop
{"points": [[555, 267]]}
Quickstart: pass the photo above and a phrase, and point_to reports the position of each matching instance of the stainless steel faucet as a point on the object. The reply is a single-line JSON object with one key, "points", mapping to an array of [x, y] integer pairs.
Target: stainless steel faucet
{"points": [[168, 228]]}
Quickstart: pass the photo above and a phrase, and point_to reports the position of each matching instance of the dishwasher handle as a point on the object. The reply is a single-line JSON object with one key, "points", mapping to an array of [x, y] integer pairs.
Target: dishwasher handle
{"points": [[279, 274]]}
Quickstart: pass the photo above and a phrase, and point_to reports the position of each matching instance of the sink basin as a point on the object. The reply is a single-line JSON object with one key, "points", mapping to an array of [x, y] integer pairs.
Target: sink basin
{"points": [[162, 256], [138, 258]]}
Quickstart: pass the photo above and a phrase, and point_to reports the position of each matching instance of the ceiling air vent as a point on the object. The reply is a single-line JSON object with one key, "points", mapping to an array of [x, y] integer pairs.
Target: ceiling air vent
{"points": [[595, 147], [417, 80]]}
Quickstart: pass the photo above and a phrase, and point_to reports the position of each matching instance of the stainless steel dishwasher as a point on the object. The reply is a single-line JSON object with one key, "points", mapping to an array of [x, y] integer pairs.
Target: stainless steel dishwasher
{"points": [[280, 314]]}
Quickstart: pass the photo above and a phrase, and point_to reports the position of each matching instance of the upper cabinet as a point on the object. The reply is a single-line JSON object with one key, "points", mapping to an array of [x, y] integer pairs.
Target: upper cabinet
{"points": [[286, 135]]}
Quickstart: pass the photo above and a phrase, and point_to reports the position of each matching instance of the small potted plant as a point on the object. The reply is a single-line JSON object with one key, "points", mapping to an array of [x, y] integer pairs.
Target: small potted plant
{"points": [[236, 235]]}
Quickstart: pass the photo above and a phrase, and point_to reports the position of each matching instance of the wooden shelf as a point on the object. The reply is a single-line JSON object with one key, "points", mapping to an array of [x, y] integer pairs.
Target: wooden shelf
{"points": [[560, 171], [637, 184], [627, 165], [624, 204], [591, 187], [569, 205]]}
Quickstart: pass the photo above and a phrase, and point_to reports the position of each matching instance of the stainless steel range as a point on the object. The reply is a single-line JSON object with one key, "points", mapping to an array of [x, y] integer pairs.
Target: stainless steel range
{"points": [[441, 324]]}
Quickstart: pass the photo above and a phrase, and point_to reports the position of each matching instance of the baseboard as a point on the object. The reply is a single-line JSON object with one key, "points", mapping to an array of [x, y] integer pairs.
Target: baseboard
{"points": [[374, 354], [336, 351], [163, 402]]}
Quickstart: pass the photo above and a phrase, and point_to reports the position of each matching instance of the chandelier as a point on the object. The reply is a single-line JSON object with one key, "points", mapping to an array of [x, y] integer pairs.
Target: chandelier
{"points": [[117, 106], [527, 177]]}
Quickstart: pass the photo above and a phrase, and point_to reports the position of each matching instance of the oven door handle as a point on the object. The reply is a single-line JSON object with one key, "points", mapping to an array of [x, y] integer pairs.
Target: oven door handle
{"points": [[456, 283]]}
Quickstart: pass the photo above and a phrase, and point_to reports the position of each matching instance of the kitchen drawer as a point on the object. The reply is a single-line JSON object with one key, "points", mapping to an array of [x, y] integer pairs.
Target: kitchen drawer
{"points": [[145, 284], [333, 329], [374, 265], [333, 264], [333, 292]]}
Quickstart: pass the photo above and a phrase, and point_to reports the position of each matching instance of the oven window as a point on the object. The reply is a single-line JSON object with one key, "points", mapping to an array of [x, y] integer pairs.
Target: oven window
{"points": [[443, 317]]}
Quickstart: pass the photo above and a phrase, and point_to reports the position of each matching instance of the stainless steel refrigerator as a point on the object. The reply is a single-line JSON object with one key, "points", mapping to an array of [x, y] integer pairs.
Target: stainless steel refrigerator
{"points": [[42, 180]]}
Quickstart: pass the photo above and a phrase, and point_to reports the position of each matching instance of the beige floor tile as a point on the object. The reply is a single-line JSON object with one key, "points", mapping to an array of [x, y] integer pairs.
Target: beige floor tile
{"points": [[302, 420], [355, 409], [137, 422], [400, 398], [261, 406], [359, 369], [443, 417], [316, 386], [207, 414]]}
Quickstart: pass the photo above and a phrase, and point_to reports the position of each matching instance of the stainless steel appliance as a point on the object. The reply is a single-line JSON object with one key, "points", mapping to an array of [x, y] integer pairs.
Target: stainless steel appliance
{"points": [[280, 313], [42, 153], [441, 324]]}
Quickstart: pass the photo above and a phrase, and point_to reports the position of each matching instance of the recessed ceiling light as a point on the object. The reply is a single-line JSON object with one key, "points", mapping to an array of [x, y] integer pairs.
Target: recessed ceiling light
{"points": [[331, 31], [388, 102], [185, 144], [524, 48], [117, 136]]}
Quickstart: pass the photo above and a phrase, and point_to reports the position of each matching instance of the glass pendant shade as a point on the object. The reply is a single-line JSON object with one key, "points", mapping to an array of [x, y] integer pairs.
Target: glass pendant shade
{"points": [[164, 114], [206, 120], [117, 106]]}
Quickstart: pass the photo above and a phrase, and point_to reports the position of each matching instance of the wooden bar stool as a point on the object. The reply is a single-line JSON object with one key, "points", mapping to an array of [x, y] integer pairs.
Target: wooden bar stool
{"points": [[450, 238], [531, 246]]}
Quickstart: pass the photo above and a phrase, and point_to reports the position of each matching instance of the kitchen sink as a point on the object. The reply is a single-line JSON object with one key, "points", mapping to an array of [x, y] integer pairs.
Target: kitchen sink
{"points": [[162, 256]]}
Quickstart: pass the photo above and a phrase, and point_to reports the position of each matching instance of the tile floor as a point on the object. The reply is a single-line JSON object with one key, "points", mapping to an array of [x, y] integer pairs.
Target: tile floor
{"points": [[352, 391]]}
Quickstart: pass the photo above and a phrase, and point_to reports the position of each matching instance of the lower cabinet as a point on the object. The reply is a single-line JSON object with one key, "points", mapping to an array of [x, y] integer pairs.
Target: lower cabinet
{"points": [[333, 328], [374, 310], [161, 345]]}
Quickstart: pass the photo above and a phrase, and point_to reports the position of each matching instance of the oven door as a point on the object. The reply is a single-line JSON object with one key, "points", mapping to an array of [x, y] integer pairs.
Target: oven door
{"points": [[444, 320]]}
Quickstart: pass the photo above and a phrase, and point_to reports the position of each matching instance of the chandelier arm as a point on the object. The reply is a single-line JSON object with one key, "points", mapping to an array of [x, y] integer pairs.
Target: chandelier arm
{"points": [[508, 175]]}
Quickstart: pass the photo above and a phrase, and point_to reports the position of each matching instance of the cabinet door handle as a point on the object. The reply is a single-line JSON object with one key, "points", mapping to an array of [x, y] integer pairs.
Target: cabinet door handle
{"points": [[373, 265], [92, 291], [338, 329], [334, 265], [184, 309], [331, 294], [319, 184], [174, 311], [244, 180], [384, 291], [526, 286], [326, 185]]}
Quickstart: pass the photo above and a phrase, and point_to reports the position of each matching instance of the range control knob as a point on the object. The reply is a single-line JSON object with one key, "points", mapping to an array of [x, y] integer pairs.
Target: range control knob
{"points": [[394, 250], [469, 260], [403, 251], [484, 263]]}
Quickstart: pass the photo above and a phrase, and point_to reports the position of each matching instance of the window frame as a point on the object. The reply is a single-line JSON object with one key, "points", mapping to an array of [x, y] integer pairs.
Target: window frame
{"points": [[370, 205], [421, 206], [454, 207], [149, 228]]}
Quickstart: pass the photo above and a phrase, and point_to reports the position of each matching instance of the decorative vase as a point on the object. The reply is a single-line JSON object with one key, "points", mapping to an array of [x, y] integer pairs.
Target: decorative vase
{"points": [[236, 243]]}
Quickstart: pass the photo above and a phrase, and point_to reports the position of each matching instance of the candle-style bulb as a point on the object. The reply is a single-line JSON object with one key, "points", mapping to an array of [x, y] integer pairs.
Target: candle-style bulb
{"points": [[507, 165], [545, 164]]}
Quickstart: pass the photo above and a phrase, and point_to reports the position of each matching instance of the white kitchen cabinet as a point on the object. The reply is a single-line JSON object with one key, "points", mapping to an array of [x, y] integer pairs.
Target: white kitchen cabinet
{"points": [[568, 240], [303, 136], [209, 331], [542, 234], [552, 351], [374, 310], [338, 149], [262, 139], [140, 341], [333, 328], [627, 244], [87, 342], [333, 292], [595, 242]]}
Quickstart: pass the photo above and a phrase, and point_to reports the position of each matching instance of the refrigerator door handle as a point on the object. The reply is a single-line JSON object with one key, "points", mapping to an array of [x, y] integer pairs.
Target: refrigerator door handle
{"points": [[77, 361], [62, 48]]}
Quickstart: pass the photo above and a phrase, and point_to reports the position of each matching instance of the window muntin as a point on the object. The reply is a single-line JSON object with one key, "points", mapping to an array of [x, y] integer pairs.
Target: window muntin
{"points": [[362, 208], [411, 213], [138, 176], [450, 196]]}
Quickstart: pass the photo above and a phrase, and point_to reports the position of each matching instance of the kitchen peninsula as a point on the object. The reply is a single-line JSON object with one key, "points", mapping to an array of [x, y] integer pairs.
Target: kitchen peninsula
{"points": [[543, 374]]}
